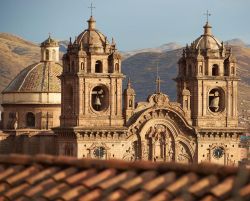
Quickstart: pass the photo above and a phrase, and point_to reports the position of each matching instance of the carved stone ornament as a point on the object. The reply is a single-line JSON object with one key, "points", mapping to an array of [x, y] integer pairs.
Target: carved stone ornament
{"points": [[159, 99]]}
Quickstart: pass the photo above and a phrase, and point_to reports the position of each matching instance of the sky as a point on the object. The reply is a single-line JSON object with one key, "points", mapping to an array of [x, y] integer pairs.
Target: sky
{"points": [[134, 24]]}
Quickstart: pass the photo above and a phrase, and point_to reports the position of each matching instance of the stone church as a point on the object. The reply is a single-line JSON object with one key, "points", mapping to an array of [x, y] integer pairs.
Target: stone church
{"points": [[100, 120]]}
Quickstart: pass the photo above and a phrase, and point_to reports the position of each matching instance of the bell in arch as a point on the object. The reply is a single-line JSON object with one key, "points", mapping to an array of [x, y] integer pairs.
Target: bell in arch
{"points": [[97, 101], [214, 104]]}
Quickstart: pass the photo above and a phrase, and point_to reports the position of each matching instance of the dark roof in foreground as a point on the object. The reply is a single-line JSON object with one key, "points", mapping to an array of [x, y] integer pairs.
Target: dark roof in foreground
{"points": [[44, 177]]}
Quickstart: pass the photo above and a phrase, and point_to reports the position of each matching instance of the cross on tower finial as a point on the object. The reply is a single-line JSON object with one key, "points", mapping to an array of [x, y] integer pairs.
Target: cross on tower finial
{"points": [[158, 80], [207, 15], [91, 9]]}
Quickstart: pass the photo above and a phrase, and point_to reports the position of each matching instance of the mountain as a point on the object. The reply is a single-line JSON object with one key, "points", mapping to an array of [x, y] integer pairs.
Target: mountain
{"points": [[237, 42], [140, 65], [163, 48]]}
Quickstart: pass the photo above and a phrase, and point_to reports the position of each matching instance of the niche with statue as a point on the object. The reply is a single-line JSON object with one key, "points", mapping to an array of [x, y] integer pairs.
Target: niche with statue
{"points": [[99, 98]]}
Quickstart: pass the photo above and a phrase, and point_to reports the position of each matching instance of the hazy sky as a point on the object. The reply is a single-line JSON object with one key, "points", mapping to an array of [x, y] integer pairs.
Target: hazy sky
{"points": [[133, 23]]}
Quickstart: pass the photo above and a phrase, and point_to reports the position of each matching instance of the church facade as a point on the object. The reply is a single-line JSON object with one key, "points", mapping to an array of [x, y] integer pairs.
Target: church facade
{"points": [[87, 114], [99, 120]]}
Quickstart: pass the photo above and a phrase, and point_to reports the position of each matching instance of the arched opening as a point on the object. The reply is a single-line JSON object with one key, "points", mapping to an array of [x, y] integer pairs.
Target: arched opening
{"points": [[216, 100], [98, 67], [82, 66], [215, 70], [200, 69], [99, 98], [54, 55], [47, 54], [233, 70], [30, 120], [116, 67]]}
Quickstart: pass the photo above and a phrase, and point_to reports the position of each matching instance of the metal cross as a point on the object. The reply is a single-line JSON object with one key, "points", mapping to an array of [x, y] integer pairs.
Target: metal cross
{"points": [[91, 8], [158, 81], [207, 14]]}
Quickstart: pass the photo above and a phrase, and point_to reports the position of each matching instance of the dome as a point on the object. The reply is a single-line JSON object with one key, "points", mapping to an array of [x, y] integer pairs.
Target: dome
{"points": [[49, 42], [207, 40], [38, 77], [93, 38]]}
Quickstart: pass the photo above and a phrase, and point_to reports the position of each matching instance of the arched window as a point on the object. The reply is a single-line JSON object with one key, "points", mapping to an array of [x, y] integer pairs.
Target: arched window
{"points": [[130, 103], [82, 66], [54, 55], [47, 54], [98, 67], [200, 69], [30, 120], [215, 70], [116, 67], [233, 70]]}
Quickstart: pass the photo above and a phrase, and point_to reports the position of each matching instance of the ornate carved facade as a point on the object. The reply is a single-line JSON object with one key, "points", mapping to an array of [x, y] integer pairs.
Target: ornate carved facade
{"points": [[201, 126], [94, 123]]}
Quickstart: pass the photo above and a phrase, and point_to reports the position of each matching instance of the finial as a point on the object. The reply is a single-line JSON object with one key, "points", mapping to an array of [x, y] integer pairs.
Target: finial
{"points": [[113, 41], [129, 83], [91, 9], [70, 42], [207, 15], [158, 80]]}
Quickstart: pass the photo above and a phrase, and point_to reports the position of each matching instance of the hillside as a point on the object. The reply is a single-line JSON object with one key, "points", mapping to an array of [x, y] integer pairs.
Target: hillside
{"points": [[140, 66]]}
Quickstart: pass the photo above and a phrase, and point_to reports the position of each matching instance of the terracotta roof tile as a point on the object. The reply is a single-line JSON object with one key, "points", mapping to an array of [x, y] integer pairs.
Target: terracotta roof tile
{"points": [[73, 193], [224, 188], [44, 177], [245, 192], [203, 186], [93, 181], [160, 182]]}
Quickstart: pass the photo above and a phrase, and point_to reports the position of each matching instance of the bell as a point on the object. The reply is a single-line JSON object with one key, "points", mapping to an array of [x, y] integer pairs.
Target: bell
{"points": [[97, 101], [215, 103]]}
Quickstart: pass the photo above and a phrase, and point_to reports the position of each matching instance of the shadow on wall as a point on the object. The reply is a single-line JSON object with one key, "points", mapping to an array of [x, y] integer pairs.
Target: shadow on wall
{"points": [[26, 144]]}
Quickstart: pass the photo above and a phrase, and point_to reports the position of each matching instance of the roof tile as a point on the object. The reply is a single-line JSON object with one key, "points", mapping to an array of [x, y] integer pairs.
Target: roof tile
{"points": [[44, 177], [202, 186], [181, 183], [102, 176], [73, 193], [160, 182], [19, 177], [223, 189]]}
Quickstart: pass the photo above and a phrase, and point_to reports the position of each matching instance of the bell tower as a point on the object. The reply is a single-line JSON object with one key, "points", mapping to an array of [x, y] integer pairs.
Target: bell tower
{"points": [[207, 70], [92, 81]]}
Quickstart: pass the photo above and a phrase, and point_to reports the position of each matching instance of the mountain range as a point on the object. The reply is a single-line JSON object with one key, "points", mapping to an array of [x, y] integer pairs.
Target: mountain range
{"points": [[140, 65]]}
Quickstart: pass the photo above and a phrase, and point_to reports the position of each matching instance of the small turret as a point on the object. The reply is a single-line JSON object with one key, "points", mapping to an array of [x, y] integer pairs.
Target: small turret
{"points": [[49, 50], [129, 101]]}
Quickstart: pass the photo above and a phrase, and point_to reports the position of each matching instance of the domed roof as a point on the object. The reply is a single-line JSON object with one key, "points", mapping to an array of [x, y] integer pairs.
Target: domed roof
{"points": [[207, 40], [49, 42], [91, 37], [38, 77]]}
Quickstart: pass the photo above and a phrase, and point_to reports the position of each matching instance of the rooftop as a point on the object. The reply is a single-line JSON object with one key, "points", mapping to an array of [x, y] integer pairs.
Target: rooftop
{"points": [[45, 177]]}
